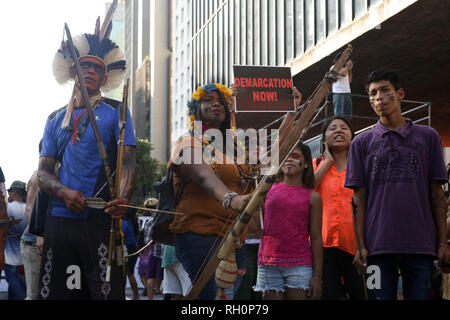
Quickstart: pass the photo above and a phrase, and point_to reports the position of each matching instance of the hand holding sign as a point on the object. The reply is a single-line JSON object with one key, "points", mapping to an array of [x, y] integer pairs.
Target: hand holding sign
{"points": [[297, 97]]}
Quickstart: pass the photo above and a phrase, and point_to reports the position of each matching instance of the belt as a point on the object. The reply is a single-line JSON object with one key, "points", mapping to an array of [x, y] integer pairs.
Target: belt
{"points": [[28, 243]]}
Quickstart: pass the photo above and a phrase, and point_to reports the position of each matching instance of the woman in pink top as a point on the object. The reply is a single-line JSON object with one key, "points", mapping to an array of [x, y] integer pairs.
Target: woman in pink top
{"points": [[289, 264]]}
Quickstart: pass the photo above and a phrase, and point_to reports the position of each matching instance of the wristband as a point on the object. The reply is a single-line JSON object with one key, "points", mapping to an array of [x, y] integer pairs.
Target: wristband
{"points": [[227, 199], [443, 244]]}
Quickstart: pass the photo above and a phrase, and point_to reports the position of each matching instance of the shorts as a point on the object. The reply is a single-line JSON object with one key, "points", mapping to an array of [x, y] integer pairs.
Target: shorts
{"points": [[154, 270], [143, 262], [176, 280], [276, 278]]}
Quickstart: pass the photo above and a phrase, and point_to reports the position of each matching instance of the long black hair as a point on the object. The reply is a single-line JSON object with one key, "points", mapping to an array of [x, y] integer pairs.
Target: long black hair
{"points": [[325, 126], [328, 121]]}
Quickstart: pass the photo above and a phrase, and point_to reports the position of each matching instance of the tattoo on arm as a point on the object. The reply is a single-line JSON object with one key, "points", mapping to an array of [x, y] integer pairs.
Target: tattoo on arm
{"points": [[128, 179], [46, 177]]}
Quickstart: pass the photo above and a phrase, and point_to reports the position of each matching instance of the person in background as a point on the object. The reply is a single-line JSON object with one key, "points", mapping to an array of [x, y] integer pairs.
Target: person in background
{"points": [[131, 245], [337, 227], [342, 99], [30, 244], [4, 217], [13, 259], [446, 268], [176, 281], [153, 272]]}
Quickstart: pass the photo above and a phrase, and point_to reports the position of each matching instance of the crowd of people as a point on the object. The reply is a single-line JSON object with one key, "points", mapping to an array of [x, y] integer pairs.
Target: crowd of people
{"points": [[371, 204]]}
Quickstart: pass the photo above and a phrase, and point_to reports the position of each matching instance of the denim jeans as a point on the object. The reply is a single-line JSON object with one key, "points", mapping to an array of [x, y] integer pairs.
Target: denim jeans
{"points": [[16, 283], [191, 250], [342, 105], [416, 271]]}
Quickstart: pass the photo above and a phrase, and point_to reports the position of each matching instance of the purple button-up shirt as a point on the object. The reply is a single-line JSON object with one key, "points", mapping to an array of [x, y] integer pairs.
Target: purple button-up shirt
{"points": [[396, 167]]}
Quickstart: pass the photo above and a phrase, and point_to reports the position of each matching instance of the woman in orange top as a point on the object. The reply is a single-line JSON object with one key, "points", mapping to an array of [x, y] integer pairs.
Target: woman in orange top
{"points": [[337, 227]]}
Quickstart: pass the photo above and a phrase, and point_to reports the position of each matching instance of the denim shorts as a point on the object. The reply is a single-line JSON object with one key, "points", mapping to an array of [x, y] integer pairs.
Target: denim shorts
{"points": [[276, 278]]}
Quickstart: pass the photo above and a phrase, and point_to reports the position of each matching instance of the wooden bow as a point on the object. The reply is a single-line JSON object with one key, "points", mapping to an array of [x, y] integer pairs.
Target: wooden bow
{"points": [[290, 138], [98, 138]]}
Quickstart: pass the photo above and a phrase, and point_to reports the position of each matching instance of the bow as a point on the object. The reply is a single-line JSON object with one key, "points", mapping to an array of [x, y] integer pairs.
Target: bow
{"points": [[115, 237], [98, 138], [296, 132]]}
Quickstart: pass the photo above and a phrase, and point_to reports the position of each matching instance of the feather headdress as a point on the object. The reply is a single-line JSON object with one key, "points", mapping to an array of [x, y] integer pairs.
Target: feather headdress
{"points": [[97, 45]]}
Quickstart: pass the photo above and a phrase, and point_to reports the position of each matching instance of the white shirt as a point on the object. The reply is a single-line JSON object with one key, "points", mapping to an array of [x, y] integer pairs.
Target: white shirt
{"points": [[342, 85], [12, 247]]}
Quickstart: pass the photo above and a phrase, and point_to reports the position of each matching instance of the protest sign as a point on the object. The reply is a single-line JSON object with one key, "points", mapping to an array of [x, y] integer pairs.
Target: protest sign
{"points": [[263, 89]]}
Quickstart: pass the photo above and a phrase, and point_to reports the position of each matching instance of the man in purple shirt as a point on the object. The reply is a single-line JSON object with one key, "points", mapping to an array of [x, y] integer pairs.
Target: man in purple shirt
{"points": [[397, 171]]}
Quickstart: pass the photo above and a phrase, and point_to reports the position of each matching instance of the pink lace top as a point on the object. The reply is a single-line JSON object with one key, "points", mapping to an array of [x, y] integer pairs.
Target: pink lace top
{"points": [[285, 238]]}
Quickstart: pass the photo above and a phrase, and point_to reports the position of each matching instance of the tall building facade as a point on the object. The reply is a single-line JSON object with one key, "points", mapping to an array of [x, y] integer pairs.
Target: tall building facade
{"points": [[181, 66], [118, 36], [212, 36], [147, 51]]}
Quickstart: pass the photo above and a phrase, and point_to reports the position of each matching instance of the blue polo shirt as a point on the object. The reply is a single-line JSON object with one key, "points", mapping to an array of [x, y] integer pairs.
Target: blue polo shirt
{"points": [[81, 161]]}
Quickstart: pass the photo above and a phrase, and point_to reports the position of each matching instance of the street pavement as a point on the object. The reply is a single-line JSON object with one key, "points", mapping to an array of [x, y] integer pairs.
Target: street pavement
{"points": [[128, 294], [128, 291]]}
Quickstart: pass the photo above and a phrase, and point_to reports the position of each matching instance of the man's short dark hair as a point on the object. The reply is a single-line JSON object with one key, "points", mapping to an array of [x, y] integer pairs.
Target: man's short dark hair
{"points": [[384, 74]]}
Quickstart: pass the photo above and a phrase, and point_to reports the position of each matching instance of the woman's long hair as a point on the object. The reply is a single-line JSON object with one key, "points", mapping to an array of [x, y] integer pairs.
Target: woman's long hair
{"points": [[325, 126]]}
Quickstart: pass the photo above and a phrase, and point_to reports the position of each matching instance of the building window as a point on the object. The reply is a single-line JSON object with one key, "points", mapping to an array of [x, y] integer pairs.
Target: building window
{"points": [[298, 27], [249, 41], [332, 16], [272, 49], [243, 31], [264, 34], [345, 10], [289, 30], [309, 24], [320, 20], [374, 2], [256, 33], [360, 7], [280, 33]]}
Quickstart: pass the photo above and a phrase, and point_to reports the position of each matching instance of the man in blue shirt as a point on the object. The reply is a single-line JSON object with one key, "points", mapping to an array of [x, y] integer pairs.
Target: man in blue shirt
{"points": [[75, 255]]}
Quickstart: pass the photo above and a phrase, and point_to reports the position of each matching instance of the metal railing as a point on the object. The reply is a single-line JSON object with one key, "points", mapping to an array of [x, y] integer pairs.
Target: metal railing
{"points": [[314, 142]]}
